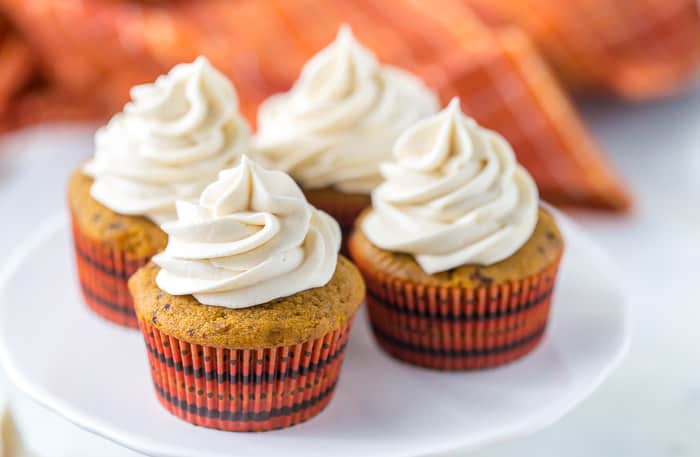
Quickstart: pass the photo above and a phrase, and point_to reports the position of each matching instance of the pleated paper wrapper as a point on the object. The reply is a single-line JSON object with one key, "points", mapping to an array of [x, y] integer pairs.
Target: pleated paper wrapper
{"points": [[103, 273], [245, 390], [453, 328]]}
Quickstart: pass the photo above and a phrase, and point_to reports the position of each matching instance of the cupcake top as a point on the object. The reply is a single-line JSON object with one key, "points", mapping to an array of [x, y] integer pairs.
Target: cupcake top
{"points": [[169, 142], [251, 238], [338, 122], [454, 195]]}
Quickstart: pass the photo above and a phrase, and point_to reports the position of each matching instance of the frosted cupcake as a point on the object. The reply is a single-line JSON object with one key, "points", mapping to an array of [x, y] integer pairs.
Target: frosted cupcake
{"points": [[171, 140], [251, 296], [459, 259], [338, 122]]}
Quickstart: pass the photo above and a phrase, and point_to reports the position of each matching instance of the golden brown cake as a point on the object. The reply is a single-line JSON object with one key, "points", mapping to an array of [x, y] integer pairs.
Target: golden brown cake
{"points": [[285, 321], [541, 250], [109, 248], [136, 236]]}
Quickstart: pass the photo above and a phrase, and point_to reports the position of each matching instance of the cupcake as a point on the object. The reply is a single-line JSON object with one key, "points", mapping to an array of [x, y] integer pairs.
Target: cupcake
{"points": [[170, 141], [338, 122], [247, 312], [459, 258]]}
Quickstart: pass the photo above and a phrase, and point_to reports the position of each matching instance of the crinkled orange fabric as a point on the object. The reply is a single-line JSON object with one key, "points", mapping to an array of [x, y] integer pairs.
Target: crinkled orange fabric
{"points": [[90, 52], [636, 49]]}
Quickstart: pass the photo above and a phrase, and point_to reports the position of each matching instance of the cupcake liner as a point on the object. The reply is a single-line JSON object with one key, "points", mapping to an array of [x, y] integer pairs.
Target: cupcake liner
{"points": [[343, 209], [103, 273], [244, 390], [452, 328]]}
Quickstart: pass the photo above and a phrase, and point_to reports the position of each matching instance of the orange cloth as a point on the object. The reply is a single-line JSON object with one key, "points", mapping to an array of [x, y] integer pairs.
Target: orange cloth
{"points": [[91, 51], [636, 49]]}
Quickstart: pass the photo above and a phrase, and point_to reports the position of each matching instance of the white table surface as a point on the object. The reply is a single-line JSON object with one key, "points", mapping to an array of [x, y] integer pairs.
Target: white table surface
{"points": [[651, 404]]}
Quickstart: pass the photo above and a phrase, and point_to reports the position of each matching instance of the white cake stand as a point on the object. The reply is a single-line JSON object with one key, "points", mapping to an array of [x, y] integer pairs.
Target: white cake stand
{"points": [[95, 374]]}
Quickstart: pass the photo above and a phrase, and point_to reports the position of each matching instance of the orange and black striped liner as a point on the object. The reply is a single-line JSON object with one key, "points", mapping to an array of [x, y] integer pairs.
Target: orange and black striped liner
{"points": [[103, 273], [344, 211], [451, 328], [245, 390]]}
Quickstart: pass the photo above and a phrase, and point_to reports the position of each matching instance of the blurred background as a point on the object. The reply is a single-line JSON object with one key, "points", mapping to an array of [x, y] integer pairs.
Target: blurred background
{"points": [[599, 99]]}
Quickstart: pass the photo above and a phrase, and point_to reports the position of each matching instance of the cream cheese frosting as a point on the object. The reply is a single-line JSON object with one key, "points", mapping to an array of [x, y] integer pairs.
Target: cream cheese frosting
{"points": [[169, 142], [251, 238], [338, 122], [454, 195]]}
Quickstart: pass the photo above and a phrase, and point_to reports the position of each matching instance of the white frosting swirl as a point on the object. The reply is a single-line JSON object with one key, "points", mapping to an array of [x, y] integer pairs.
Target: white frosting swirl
{"points": [[341, 117], [252, 238], [170, 141], [454, 196]]}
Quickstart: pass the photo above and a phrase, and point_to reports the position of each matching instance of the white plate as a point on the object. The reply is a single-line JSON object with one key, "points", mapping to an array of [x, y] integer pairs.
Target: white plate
{"points": [[95, 374]]}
